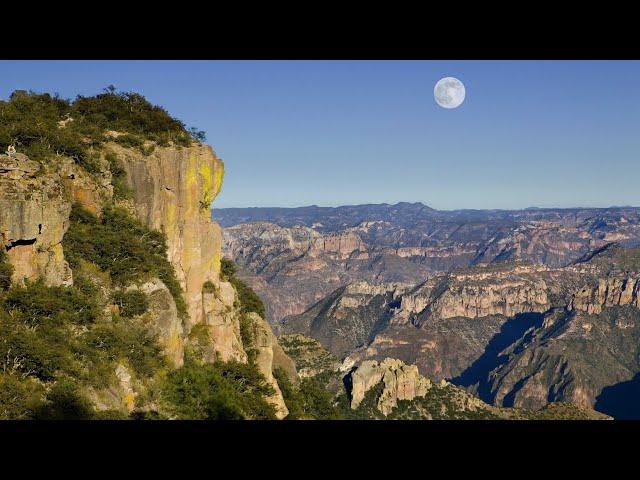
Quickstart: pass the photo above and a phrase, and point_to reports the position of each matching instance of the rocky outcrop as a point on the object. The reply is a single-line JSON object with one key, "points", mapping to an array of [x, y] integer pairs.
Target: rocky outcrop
{"points": [[342, 245], [120, 396], [222, 322], [508, 298], [610, 291], [265, 343], [308, 355], [173, 190], [34, 216], [165, 322], [400, 382]]}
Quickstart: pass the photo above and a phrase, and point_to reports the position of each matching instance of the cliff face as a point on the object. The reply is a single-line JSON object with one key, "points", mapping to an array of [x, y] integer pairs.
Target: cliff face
{"points": [[401, 382], [610, 291], [34, 213], [173, 191], [295, 257]]}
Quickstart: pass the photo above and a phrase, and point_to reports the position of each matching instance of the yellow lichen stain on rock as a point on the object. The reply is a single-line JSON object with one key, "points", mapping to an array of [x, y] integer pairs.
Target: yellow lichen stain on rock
{"points": [[218, 178], [191, 187], [129, 401], [170, 219], [206, 176], [214, 266]]}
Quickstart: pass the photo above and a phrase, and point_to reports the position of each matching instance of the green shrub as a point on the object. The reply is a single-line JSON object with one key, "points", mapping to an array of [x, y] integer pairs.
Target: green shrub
{"points": [[198, 135], [122, 340], [46, 332], [310, 399], [19, 398], [65, 402], [36, 336], [247, 335], [208, 287], [122, 246], [31, 121], [248, 299], [220, 391], [293, 399], [227, 269], [318, 401], [129, 141], [131, 303], [42, 352], [118, 178], [36, 303], [6, 270]]}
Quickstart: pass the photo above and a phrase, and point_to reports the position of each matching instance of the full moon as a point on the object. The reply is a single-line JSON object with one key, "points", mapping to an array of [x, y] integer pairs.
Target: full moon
{"points": [[449, 92]]}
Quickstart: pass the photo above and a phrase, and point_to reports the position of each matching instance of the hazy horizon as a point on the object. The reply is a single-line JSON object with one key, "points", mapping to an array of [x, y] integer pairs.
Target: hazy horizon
{"points": [[532, 207], [550, 134]]}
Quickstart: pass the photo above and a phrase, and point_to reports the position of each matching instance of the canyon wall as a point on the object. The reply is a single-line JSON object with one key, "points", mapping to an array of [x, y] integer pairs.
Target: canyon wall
{"points": [[34, 216], [173, 190]]}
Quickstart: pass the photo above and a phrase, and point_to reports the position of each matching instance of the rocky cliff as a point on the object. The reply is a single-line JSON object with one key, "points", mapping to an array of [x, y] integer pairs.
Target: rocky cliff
{"points": [[400, 382], [34, 213], [172, 189], [391, 389]]}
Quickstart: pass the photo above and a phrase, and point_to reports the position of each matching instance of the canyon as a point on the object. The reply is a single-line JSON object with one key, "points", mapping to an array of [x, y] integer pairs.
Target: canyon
{"points": [[521, 308], [122, 297]]}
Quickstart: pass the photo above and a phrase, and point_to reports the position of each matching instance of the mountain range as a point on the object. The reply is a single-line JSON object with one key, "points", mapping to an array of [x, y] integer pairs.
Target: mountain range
{"points": [[522, 308]]}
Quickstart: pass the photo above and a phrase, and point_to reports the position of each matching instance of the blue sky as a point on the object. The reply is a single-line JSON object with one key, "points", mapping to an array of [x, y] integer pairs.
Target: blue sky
{"points": [[293, 133]]}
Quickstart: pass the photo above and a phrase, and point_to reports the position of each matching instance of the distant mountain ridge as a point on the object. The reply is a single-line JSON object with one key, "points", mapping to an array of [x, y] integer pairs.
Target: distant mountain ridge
{"points": [[351, 215]]}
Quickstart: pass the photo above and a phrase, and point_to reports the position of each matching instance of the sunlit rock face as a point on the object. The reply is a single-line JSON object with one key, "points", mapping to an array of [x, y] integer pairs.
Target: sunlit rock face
{"points": [[173, 191], [34, 216], [400, 382]]}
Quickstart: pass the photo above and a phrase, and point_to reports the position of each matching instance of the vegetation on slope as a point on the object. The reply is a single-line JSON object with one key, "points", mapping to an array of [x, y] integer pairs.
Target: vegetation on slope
{"points": [[43, 126], [6, 270], [222, 390], [308, 354], [614, 258], [248, 300], [218, 391], [54, 340], [57, 344], [121, 246], [60, 347], [309, 399]]}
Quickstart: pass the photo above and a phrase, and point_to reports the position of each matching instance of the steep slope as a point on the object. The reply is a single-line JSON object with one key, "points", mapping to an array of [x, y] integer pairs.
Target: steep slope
{"points": [[116, 292], [514, 334]]}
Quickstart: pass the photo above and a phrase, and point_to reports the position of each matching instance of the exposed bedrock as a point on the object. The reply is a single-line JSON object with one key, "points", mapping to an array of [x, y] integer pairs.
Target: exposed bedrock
{"points": [[34, 216], [173, 191]]}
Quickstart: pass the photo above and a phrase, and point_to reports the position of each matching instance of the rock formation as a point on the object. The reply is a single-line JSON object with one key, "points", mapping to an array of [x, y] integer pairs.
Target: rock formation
{"points": [[165, 322], [515, 334], [610, 291], [173, 191], [401, 382], [264, 343], [34, 216]]}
